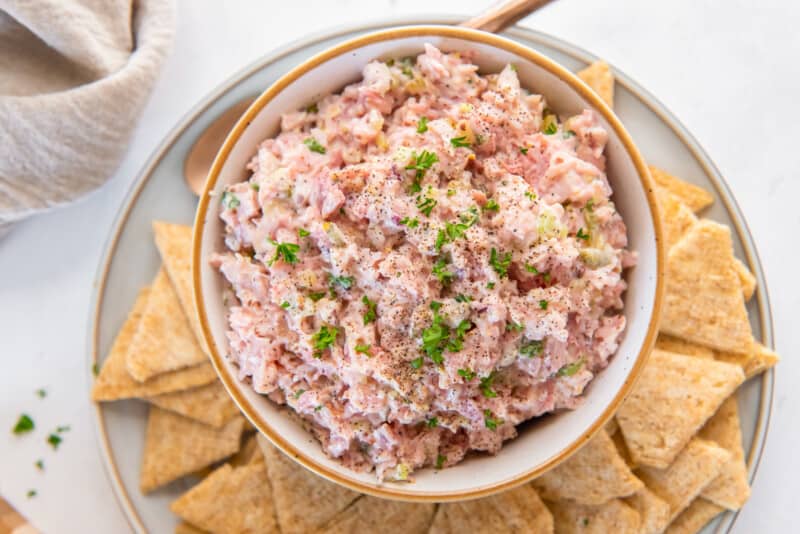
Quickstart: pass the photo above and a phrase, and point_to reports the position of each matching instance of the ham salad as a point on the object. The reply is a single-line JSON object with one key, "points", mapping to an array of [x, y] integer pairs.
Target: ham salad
{"points": [[423, 262]]}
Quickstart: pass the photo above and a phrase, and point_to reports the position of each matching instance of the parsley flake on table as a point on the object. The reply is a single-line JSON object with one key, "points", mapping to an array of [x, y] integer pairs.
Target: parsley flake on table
{"points": [[459, 142], [54, 440], [489, 420], [314, 146], [230, 201], [24, 425], [31, 493], [62, 429], [41, 393], [426, 205], [39, 464], [422, 125], [286, 251], [500, 262], [369, 315]]}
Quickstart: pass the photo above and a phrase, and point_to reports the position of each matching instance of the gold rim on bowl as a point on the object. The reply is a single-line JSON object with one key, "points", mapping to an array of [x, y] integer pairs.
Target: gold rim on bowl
{"points": [[230, 381]]}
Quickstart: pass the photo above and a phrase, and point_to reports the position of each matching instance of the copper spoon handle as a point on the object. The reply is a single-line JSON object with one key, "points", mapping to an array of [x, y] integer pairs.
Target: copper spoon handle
{"points": [[502, 15], [200, 157]]}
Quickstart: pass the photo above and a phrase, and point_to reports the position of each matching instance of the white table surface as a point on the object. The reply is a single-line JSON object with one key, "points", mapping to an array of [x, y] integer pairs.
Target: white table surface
{"points": [[728, 70]]}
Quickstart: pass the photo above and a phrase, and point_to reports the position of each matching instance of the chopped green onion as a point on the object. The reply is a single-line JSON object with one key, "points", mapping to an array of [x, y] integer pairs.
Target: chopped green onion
{"points": [[571, 369]]}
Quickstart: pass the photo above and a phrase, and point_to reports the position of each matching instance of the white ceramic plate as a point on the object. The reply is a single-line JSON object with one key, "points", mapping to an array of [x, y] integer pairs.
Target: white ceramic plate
{"points": [[159, 193]]}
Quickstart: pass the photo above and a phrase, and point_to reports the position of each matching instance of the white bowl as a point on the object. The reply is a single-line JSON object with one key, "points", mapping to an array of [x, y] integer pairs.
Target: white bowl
{"points": [[542, 443]]}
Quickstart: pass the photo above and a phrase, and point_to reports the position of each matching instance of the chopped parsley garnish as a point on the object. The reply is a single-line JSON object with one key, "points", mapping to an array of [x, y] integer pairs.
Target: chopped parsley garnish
{"points": [[486, 386], [345, 282], [31, 493], [531, 348], [416, 363], [531, 195], [426, 205], [369, 315], [422, 125], [479, 139], [433, 422], [41, 393], [230, 201], [440, 461], [490, 285], [435, 337], [39, 464], [54, 440], [313, 108], [466, 374], [460, 141], [451, 192], [582, 235], [285, 304], [24, 425], [489, 421], [298, 393], [456, 342], [324, 339], [543, 304], [568, 134], [255, 187], [453, 231], [491, 205], [314, 146], [570, 369], [302, 232], [441, 273], [317, 408], [408, 221], [500, 262], [406, 69], [546, 277], [286, 251], [531, 269], [511, 326], [316, 296], [363, 349], [524, 150], [463, 298], [422, 162], [550, 124]]}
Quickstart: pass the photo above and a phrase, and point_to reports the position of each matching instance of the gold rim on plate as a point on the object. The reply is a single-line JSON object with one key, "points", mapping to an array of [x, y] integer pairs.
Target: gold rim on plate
{"points": [[710, 171], [231, 382]]}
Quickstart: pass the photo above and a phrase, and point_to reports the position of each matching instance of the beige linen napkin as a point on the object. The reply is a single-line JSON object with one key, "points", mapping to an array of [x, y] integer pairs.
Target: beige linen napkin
{"points": [[74, 76]]}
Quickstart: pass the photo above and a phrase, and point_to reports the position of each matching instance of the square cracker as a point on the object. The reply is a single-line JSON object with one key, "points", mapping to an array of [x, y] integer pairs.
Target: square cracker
{"points": [[294, 487], [653, 511], [730, 489], [174, 244], [703, 299], [209, 404], [230, 501], [692, 195], [675, 395], [113, 382], [676, 217], [746, 278], [695, 517], [695, 467], [519, 510], [176, 446], [598, 76], [370, 514], [164, 340], [595, 474], [614, 516]]}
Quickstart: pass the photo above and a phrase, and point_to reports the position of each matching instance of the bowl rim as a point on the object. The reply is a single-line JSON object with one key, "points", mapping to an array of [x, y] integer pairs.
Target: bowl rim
{"points": [[231, 382]]}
